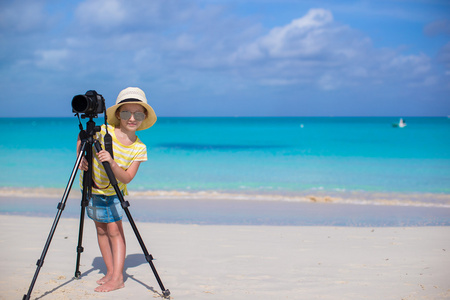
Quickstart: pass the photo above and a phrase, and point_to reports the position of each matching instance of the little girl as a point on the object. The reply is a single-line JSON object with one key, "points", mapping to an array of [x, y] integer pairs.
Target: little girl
{"points": [[130, 114]]}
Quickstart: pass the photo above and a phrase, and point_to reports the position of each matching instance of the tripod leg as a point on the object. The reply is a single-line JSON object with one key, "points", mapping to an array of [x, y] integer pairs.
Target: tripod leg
{"points": [[125, 205], [148, 256], [84, 202], [61, 207], [80, 248]]}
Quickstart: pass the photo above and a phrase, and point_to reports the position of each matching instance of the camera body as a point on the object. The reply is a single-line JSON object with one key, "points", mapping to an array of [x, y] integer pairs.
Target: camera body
{"points": [[91, 104]]}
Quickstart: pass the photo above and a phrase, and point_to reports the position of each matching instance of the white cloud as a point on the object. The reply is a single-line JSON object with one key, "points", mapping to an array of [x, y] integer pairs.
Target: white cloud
{"points": [[410, 65], [55, 59], [329, 82], [438, 27], [115, 17], [315, 49], [302, 37], [105, 14], [23, 17]]}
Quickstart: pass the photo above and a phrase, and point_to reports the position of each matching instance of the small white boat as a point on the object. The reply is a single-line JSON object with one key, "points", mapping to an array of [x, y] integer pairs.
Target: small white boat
{"points": [[400, 124]]}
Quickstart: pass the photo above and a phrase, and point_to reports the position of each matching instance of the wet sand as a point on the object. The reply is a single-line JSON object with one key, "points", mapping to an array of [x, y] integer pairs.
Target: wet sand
{"points": [[210, 208]]}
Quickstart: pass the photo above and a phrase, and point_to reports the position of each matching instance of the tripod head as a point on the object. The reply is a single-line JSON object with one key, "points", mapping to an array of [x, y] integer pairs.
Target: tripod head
{"points": [[89, 106], [89, 133]]}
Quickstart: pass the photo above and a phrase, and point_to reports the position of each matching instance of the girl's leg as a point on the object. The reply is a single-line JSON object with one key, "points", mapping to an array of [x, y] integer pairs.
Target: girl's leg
{"points": [[118, 249], [105, 249]]}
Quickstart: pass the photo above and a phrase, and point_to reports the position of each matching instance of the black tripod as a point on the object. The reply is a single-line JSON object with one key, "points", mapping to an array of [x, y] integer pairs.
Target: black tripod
{"points": [[87, 142]]}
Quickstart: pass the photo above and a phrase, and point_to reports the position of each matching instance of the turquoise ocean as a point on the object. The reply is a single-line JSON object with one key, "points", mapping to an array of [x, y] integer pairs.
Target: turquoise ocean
{"points": [[344, 160]]}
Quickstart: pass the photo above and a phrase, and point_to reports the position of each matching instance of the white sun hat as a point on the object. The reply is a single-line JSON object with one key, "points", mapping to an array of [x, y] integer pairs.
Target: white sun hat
{"points": [[131, 95]]}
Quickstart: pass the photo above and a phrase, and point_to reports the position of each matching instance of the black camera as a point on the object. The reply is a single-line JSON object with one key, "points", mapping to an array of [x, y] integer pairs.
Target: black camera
{"points": [[90, 104]]}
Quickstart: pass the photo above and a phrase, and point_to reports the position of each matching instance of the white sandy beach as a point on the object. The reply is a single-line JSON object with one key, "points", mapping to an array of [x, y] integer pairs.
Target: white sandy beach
{"points": [[232, 262]]}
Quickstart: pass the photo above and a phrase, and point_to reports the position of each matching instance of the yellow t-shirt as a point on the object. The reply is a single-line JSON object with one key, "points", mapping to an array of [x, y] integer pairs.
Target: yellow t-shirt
{"points": [[124, 156]]}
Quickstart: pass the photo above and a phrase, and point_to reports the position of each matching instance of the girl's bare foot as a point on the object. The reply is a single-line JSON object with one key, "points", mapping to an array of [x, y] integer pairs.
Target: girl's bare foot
{"points": [[111, 285], [103, 280]]}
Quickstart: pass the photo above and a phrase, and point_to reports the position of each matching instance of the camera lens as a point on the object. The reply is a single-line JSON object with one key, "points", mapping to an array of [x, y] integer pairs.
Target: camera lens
{"points": [[80, 103]]}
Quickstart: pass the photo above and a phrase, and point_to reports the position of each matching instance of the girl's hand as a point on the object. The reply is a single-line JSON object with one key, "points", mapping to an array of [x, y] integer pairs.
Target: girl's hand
{"points": [[83, 164], [104, 156]]}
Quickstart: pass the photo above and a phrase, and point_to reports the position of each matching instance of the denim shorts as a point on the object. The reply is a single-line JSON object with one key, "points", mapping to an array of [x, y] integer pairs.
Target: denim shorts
{"points": [[105, 209]]}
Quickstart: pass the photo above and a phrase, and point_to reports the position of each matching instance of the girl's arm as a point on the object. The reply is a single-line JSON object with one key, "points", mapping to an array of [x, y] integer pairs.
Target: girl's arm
{"points": [[122, 175]]}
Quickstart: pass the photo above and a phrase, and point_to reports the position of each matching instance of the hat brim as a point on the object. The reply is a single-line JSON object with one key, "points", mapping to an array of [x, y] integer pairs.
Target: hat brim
{"points": [[147, 123]]}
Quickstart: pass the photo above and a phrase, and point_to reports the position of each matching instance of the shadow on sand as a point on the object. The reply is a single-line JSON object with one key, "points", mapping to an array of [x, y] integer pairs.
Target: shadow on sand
{"points": [[131, 261]]}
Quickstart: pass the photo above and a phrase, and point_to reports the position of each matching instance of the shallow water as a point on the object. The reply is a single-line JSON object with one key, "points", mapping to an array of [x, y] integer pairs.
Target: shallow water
{"points": [[279, 155]]}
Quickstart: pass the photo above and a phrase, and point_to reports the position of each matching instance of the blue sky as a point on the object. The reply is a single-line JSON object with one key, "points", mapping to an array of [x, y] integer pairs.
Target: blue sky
{"points": [[229, 58]]}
